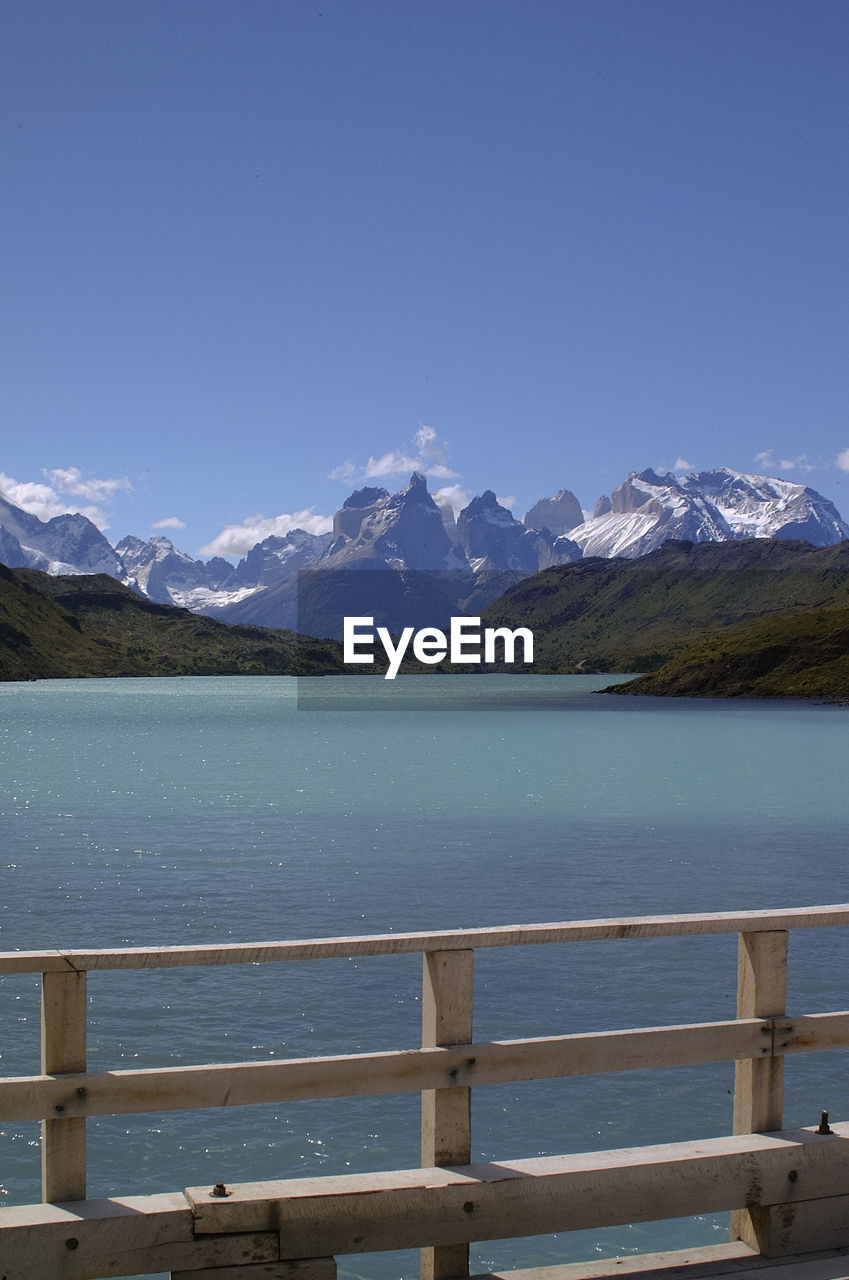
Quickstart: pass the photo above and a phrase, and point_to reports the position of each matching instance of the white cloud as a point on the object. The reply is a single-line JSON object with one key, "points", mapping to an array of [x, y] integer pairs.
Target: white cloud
{"points": [[453, 496], [797, 464], [347, 471], [237, 539], [681, 464], [843, 460], [71, 480], [506, 502], [57, 497], [393, 463], [766, 459], [170, 522], [429, 458]]}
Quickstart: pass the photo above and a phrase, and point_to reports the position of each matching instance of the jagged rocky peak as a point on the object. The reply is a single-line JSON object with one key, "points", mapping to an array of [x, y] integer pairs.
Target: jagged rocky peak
{"points": [[558, 514], [402, 530], [487, 507], [603, 506], [493, 539], [356, 508], [277, 558], [67, 543], [638, 489]]}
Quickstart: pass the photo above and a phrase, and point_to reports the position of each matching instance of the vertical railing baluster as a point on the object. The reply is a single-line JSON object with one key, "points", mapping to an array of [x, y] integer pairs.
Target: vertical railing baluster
{"points": [[447, 1004], [63, 1049], [759, 1082]]}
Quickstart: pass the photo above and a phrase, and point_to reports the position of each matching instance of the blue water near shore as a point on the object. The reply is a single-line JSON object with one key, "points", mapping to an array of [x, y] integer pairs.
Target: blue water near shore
{"points": [[142, 812]]}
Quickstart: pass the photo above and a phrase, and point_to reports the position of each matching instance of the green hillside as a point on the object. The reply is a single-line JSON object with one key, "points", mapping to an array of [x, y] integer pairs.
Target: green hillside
{"points": [[634, 615], [59, 627], [791, 656]]}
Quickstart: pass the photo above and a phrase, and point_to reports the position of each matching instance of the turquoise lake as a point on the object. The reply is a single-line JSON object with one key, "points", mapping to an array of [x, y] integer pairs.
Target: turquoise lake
{"points": [[163, 811]]}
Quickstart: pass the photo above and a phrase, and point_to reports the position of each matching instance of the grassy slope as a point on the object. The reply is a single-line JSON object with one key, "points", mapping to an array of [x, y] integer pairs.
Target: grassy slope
{"points": [[633, 615], [57, 627], [794, 656]]}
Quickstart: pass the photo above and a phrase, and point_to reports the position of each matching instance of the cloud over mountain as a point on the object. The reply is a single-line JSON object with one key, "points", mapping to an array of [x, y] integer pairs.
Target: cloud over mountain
{"points": [[428, 458], [237, 539], [57, 496]]}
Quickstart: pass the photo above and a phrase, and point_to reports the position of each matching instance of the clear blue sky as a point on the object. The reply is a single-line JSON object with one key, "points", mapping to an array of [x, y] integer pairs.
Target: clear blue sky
{"points": [[250, 246]]}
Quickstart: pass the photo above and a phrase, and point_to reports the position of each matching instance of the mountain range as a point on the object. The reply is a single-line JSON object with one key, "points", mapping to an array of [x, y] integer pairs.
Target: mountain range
{"points": [[475, 557]]}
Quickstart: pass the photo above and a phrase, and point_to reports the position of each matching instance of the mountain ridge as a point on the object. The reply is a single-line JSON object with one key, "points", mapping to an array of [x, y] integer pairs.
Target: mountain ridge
{"points": [[377, 530], [60, 627]]}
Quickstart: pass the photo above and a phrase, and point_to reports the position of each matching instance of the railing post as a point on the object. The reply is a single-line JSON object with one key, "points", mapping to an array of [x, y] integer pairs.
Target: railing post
{"points": [[447, 1003], [63, 1049], [759, 1082]]}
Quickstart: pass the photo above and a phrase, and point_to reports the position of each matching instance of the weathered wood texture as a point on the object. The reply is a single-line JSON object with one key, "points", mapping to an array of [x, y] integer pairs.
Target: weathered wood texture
{"points": [[416, 1207], [129, 1236], [668, 926], [446, 1204], [759, 1082], [129, 1092], [312, 1217], [447, 1010], [702, 1263], [63, 1049], [300, 1269]]}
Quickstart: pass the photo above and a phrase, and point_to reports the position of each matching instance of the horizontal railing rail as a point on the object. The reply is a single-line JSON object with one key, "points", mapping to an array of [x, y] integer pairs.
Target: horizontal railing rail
{"points": [[449, 1062], [610, 930], [239, 1084]]}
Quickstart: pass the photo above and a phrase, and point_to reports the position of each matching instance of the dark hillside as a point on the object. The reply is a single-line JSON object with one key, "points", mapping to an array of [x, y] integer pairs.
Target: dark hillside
{"points": [[81, 625], [633, 615]]}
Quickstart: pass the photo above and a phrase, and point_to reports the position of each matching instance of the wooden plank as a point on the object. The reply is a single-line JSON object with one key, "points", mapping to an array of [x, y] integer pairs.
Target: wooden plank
{"points": [[63, 1050], [129, 1092], [703, 1263], [118, 1237], [700, 1263], [759, 1082], [804, 1226], [418, 1207], [446, 1137], [620, 927], [293, 1269], [761, 993]]}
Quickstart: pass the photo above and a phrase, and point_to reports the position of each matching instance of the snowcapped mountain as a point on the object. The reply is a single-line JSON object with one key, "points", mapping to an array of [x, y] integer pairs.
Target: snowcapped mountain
{"points": [[711, 506], [407, 531], [66, 544], [398, 531], [277, 558], [159, 571]]}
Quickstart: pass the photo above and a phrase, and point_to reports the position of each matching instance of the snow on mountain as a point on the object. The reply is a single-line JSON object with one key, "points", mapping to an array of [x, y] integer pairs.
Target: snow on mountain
{"points": [[275, 558], [66, 544], [407, 531], [711, 506], [158, 570], [397, 531]]}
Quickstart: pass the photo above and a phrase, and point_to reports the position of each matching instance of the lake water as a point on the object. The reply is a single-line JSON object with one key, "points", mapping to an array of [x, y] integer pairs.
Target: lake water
{"points": [[138, 812]]}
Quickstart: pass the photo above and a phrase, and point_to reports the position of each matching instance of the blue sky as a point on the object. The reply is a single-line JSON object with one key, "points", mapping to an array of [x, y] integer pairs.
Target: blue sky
{"points": [[260, 253]]}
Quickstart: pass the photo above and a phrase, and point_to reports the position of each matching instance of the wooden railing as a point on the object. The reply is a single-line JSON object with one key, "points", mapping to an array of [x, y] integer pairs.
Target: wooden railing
{"points": [[449, 1062]]}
